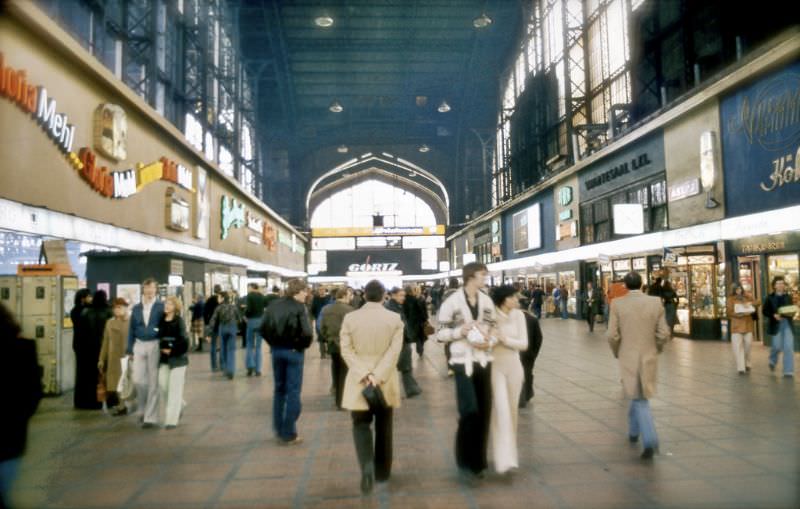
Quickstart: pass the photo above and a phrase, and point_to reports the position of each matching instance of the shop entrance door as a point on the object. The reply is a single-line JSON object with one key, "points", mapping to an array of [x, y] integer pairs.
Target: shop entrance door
{"points": [[750, 279]]}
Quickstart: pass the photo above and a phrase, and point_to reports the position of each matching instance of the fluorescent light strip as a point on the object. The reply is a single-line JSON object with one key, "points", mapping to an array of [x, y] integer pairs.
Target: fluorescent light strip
{"points": [[38, 221]]}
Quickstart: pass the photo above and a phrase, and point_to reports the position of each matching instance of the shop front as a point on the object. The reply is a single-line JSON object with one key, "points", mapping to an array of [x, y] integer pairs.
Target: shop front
{"points": [[698, 276], [761, 152], [756, 261], [93, 163]]}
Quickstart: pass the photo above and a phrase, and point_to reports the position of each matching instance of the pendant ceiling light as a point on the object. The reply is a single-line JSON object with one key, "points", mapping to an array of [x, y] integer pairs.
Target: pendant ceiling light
{"points": [[424, 148], [444, 107], [342, 149], [323, 21], [482, 21], [336, 107]]}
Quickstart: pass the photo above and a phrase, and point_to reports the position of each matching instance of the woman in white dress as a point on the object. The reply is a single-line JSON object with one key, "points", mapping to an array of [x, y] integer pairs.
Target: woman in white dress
{"points": [[507, 376]]}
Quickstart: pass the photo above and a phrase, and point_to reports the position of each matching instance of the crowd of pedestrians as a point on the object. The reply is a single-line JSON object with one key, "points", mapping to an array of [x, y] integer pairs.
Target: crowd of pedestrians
{"points": [[137, 359]]}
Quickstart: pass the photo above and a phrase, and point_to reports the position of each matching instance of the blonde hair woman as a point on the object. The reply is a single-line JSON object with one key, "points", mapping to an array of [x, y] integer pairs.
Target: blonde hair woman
{"points": [[173, 342]]}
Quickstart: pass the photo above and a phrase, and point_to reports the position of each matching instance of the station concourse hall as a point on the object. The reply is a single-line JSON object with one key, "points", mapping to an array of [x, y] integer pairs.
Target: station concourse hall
{"points": [[417, 254]]}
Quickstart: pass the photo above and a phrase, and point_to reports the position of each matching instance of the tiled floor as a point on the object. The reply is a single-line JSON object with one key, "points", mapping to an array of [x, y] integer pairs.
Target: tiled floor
{"points": [[726, 441]]}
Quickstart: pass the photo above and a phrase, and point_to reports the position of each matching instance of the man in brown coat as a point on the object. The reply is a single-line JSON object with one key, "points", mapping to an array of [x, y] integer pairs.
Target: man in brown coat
{"points": [[637, 333], [370, 340]]}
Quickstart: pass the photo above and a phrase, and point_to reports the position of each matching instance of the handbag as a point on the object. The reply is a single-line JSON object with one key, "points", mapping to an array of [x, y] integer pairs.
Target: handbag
{"points": [[101, 388], [374, 396], [428, 329]]}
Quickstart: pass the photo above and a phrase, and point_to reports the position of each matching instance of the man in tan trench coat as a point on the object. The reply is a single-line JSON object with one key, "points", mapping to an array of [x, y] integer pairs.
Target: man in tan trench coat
{"points": [[637, 333], [370, 341]]}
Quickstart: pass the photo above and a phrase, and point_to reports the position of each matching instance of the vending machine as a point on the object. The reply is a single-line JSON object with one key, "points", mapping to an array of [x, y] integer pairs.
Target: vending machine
{"points": [[44, 305], [9, 294]]}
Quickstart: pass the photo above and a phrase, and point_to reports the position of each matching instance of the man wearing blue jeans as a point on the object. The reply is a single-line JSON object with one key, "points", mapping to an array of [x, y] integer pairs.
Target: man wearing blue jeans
{"points": [[779, 312], [287, 328], [637, 333], [255, 302]]}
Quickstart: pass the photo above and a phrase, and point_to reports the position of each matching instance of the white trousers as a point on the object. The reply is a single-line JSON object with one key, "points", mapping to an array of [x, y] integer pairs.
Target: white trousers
{"points": [[145, 378], [170, 384], [507, 378], [741, 344]]}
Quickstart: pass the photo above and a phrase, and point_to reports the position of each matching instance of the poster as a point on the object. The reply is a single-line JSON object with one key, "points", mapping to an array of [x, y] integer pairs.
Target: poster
{"points": [[106, 287], [527, 229], [131, 293]]}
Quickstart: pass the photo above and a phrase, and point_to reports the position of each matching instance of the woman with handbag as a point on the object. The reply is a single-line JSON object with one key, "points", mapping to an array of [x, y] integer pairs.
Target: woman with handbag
{"points": [[370, 340], [511, 332], [174, 343], [115, 340]]}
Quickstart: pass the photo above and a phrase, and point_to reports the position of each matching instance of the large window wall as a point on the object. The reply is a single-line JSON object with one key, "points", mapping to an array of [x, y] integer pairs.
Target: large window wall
{"points": [[183, 58], [568, 86], [355, 207]]}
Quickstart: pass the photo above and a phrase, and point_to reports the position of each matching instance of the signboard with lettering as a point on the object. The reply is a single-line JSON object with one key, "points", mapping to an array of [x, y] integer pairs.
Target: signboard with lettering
{"points": [[405, 261], [761, 143], [633, 163], [684, 189]]}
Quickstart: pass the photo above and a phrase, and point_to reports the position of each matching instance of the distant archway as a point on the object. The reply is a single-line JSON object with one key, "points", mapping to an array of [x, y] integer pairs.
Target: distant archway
{"points": [[352, 200], [387, 168]]}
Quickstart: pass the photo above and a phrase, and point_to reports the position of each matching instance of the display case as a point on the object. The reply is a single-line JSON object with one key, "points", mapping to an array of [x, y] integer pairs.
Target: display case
{"points": [[702, 291], [680, 283], [722, 298]]}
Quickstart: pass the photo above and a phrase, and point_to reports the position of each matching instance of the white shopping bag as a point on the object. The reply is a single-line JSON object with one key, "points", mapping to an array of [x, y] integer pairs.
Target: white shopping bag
{"points": [[125, 387]]}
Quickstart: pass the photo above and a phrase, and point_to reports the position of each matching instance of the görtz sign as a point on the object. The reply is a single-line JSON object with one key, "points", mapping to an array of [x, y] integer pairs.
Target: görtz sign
{"points": [[632, 163]]}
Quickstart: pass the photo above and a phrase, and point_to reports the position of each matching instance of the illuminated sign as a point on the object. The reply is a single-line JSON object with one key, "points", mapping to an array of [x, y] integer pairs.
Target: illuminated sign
{"points": [[684, 189], [423, 242], [373, 267], [378, 231], [201, 202], [527, 229], [334, 244], [565, 196], [232, 215], [111, 132], [177, 211]]}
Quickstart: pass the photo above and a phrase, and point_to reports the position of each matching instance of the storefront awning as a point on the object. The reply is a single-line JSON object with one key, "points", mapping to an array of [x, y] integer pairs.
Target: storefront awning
{"points": [[763, 223], [39, 221]]}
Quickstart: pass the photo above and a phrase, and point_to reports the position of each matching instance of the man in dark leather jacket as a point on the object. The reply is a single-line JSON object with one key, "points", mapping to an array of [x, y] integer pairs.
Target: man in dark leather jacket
{"points": [[397, 296], [287, 329]]}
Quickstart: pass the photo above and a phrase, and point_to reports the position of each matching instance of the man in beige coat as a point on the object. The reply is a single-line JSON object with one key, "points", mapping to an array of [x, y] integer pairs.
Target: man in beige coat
{"points": [[637, 333], [370, 340]]}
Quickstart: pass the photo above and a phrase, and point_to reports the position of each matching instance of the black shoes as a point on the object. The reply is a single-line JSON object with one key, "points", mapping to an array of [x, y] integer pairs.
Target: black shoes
{"points": [[250, 372], [229, 376], [258, 373], [148, 425], [648, 453], [633, 439], [367, 483]]}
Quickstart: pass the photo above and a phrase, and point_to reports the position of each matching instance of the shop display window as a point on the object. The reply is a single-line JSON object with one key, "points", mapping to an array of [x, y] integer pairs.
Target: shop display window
{"points": [[787, 266], [702, 291], [680, 283], [567, 279], [722, 297]]}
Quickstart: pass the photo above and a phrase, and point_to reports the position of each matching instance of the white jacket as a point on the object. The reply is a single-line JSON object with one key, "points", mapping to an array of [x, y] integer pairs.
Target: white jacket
{"points": [[453, 314]]}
